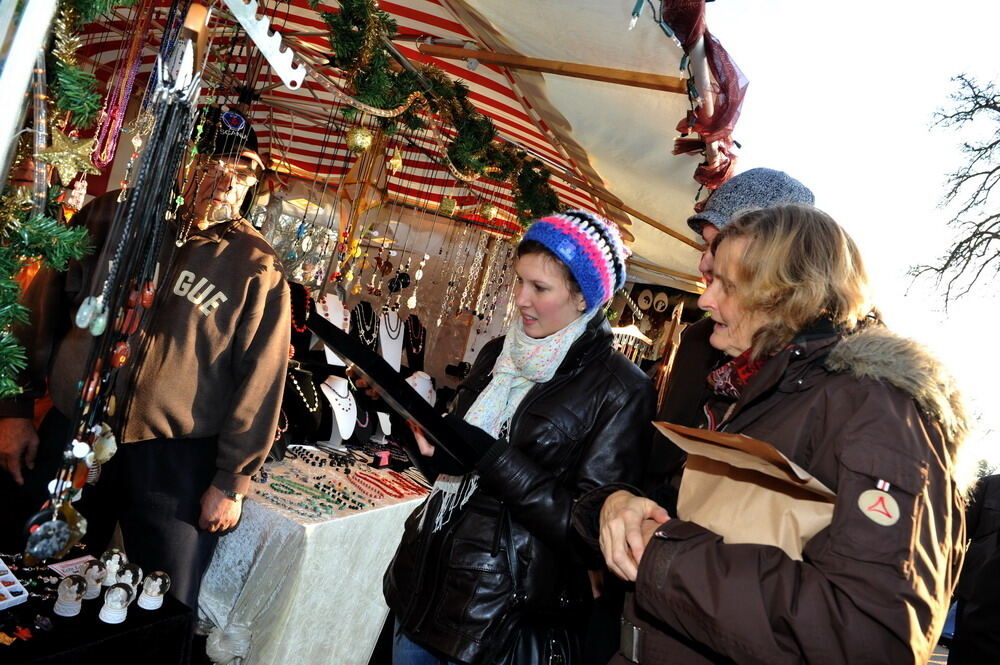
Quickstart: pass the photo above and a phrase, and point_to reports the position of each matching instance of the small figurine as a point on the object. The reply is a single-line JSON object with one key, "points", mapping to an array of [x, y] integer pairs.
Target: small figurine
{"points": [[130, 574], [71, 591], [113, 559], [116, 600], [153, 588], [95, 573]]}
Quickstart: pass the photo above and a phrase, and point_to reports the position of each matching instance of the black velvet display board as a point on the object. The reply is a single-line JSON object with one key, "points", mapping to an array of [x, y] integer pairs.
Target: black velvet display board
{"points": [[392, 388], [150, 637]]}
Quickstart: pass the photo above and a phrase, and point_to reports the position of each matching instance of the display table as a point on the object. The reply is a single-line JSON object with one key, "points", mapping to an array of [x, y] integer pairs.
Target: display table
{"points": [[157, 637], [300, 580]]}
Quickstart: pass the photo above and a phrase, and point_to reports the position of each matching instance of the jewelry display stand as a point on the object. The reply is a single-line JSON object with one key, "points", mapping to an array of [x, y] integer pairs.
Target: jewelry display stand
{"points": [[345, 409], [332, 309], [384, 423]]}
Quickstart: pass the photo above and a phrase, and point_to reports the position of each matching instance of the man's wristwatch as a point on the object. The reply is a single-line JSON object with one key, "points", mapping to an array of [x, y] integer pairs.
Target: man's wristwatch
{"points": [[233, 496]]}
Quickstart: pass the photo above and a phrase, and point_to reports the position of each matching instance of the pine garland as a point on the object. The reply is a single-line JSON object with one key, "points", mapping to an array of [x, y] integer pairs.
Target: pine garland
{"points": [[23, 238], [355, 37], [74, 90], [90, 10]]}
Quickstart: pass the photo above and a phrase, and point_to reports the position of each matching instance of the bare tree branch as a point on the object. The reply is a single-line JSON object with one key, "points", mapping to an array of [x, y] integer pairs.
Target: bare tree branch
{"points": [[976, 250]]}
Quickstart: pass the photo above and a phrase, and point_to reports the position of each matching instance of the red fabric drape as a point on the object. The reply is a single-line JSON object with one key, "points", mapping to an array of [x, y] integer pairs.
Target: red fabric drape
{"points": [[687, 19]]}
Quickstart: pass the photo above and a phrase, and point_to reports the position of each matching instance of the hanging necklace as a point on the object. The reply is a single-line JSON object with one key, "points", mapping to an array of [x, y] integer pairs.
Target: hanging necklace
{"points": [[461, 247], [314, 407], [416, 335], [184, 213], [120, 92], [474, 270], [411, 302]]}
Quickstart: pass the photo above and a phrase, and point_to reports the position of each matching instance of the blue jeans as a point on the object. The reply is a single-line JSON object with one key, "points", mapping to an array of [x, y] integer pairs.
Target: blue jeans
{"points": [[407, 652]]}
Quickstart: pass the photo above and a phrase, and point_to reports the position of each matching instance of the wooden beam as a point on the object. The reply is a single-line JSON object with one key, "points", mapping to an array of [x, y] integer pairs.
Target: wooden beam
{"points": [[667, 271], [662, 227], [591, 72]]}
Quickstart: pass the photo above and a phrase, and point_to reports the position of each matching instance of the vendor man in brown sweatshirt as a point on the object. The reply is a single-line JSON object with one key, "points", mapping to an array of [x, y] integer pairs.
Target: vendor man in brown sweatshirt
{"points": [[197, 411]]}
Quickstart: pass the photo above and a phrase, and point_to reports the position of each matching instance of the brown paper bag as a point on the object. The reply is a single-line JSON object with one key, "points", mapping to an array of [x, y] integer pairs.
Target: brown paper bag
{"points": [[746, 491]]}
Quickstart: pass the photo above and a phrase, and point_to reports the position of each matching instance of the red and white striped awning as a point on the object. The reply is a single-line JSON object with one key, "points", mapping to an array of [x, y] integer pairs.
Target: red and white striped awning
{"points": [[611, 138]]}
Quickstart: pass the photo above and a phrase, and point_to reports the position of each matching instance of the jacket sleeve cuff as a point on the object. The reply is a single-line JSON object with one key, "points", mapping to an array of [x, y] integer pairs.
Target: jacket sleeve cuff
{"points": [[232, 482], [667, 542], [17, 407], [586, 517]]}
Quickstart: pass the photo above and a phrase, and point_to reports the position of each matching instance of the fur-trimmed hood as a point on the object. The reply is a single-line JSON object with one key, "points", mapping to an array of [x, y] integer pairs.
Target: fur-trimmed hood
{"points": [[878, 353]]}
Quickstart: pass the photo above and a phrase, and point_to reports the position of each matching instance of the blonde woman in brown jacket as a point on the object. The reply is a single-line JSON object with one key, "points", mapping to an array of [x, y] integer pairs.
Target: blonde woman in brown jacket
{"points": [[870, 414]]}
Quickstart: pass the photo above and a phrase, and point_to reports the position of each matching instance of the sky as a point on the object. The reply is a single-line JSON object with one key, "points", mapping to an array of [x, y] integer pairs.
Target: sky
{"points": [[842, 96]]}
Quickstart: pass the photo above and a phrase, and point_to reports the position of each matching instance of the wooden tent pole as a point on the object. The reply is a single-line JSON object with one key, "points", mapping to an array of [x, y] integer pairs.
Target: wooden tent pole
{"points": [[590, 72], [666, 271]]}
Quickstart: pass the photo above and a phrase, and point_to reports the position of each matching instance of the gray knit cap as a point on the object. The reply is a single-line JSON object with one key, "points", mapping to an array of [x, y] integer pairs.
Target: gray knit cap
{"points": [[750, 190]]}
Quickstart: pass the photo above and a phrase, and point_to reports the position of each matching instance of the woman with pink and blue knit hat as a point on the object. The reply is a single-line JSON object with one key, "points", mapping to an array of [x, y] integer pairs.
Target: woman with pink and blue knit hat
{"points": [[487, 570]]}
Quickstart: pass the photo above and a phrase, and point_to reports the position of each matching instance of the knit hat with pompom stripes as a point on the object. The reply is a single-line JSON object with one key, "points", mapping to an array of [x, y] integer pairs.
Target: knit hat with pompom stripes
{"points": [[590, 246]]}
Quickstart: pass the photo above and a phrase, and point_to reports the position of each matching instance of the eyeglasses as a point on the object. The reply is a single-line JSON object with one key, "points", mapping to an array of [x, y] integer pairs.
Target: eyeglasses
{"points": [[239, 174]]}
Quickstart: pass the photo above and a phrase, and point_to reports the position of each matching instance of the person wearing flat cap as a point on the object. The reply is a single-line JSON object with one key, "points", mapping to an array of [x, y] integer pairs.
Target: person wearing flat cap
{"points": [[686, 388], [198, 411]]}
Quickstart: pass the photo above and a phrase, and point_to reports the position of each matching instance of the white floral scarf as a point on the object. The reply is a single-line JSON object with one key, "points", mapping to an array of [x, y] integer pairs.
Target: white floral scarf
{"points": [[524, 362]]}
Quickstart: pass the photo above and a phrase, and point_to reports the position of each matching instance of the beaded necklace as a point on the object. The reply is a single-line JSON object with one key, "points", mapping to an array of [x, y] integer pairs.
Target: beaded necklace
{"points": [[343, 401], [281, 430], [302, 301], [314, 407], [324, 311], [119, 93]]}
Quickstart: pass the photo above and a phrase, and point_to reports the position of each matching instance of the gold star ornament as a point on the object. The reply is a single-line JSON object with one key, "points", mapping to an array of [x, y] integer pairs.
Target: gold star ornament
{"points": [[69, 156]]}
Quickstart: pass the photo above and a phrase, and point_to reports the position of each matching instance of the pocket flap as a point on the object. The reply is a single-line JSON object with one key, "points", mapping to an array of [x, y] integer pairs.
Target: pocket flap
{"points": [[905, 473]]}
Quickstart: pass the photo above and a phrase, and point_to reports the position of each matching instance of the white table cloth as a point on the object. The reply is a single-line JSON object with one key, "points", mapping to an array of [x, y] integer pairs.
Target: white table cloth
{"points": [[295, 587]]}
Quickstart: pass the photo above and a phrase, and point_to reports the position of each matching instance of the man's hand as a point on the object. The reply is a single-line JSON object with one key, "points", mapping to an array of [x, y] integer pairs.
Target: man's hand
{"points": [[627, 524], [218, 511], [18, 445]]}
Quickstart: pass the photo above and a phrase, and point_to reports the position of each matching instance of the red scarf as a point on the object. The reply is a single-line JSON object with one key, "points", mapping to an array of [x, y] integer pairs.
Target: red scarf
{"points": [[730, 379]]}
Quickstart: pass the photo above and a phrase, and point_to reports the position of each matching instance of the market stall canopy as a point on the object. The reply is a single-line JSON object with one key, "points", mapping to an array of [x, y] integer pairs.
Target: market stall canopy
{"points": [[619, 135], [608, 144]]}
